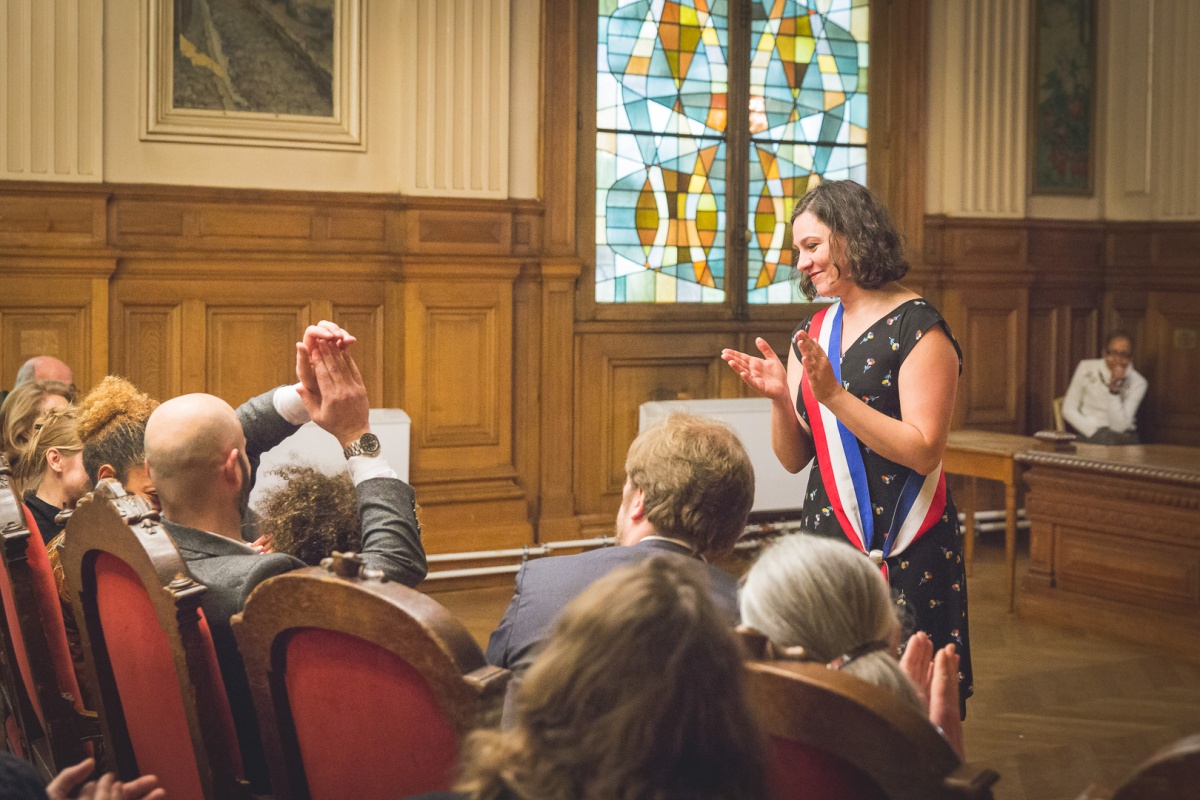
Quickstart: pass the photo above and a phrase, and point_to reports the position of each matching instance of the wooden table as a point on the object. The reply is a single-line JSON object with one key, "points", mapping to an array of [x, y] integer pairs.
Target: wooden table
{"points": [[983, 454]]}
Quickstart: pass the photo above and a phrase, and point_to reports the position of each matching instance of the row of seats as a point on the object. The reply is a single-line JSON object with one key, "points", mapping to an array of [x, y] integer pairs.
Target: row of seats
{"points": [[362, 688]]}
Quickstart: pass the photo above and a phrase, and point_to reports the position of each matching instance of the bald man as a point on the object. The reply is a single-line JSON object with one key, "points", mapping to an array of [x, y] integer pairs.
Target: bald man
{"points": [[44, 368], [196, 452]]}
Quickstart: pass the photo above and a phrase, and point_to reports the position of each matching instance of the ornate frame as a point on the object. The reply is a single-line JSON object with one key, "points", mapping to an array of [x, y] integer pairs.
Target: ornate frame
{"points": [[162, 121]]}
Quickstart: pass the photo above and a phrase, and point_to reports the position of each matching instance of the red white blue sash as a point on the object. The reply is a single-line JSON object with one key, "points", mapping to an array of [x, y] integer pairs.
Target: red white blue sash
{"points": [[922, 498]]}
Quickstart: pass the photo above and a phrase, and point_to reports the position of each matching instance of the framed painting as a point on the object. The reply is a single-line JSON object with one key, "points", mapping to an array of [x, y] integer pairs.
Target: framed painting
{"points": [[1063, 96], [272, 73]]}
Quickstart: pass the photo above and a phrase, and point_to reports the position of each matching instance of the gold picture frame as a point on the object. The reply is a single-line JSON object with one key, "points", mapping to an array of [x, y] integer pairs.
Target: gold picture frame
{"points": [[254, 72]]}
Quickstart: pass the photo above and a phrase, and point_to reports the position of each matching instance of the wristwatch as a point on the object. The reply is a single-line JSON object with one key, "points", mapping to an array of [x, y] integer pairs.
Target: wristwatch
{"points": [[365, 445]]}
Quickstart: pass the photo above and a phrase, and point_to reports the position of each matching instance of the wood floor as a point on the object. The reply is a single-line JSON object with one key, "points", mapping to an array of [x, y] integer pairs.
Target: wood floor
{"points": [[1053, 711]]}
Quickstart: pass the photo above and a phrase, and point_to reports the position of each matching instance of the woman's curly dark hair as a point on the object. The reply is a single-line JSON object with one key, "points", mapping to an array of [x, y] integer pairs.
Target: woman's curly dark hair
{"points": [[311, 515], [112, 425], [865, 247]]}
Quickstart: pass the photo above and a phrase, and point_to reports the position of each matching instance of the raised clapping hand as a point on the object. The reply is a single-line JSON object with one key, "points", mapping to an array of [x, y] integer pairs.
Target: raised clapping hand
{"points": [[337, 398], [935, 677], [107, 787], [765, 375], [816, 365]]}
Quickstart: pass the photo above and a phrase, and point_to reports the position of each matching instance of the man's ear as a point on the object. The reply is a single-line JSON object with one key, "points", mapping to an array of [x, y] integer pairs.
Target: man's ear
{"points": [[54, 460], [637, 505], [232, 468], [105, 471]]}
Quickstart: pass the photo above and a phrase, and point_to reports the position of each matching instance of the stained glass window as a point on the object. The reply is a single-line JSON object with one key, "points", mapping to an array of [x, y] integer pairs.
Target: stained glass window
{"points": [[808, 121], [661, 152]]}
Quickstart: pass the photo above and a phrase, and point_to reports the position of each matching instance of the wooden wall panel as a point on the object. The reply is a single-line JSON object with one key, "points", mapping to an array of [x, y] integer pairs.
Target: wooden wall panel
{"points": [[62, 220], [366, 323], [251, 348], [54, 305], [458, 348], [31, 330], [619, 372], [152, 355], [1174, 331]]}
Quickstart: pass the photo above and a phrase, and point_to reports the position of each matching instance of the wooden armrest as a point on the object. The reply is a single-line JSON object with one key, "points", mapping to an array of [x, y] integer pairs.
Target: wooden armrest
{"points": [[1095, 792], [972, 781], [488, 681]]}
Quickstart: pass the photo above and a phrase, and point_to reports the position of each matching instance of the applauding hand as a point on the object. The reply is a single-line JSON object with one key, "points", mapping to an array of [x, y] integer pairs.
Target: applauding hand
{"points": [[816, 365], [765, 375]]}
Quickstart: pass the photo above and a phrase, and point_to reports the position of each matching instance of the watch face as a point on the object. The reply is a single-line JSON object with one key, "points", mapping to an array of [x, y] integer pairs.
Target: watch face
{"points": [[369, 443]]}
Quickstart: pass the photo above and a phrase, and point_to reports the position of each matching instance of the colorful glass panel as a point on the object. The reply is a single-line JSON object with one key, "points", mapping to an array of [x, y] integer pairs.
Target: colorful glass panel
{"points": [[660, 151], [808, 122]]}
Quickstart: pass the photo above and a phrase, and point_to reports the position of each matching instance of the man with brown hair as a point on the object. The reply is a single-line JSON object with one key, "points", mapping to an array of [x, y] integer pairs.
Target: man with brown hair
{"points": [[688, 490]]}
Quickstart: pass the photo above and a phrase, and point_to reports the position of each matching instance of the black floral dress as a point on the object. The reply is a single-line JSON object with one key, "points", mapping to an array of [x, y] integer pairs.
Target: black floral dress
{"points": [[928, 580]]}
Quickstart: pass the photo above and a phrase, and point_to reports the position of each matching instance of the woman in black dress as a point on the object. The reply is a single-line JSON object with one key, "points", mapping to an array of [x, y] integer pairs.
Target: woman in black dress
{"points": [[876, 420]]}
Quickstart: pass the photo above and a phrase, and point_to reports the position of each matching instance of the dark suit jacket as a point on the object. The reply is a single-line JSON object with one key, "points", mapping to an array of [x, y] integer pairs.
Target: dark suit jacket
{"points": [[546, 585], [391, 543]]}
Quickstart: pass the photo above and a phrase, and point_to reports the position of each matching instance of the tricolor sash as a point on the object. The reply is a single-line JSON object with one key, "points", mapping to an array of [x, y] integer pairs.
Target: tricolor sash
{"points": [[922, 497]]}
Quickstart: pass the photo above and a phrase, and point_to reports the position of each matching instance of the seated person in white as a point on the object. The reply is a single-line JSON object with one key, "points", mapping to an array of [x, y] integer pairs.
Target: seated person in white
{"points": [[1104, 395]]}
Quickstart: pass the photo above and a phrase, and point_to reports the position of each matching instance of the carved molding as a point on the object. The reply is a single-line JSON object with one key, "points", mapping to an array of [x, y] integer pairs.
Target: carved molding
{"points": [[1096, 465]]}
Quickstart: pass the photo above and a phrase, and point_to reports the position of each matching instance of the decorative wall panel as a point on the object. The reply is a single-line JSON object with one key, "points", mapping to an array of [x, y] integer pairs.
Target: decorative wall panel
{"points": [[619, 372], [979, 108], [457, 126], [153, 349], [51, 90], [249, 347]]}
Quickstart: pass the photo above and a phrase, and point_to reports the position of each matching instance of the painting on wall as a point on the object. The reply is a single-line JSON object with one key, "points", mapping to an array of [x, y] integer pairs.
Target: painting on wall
{"points": [[1064, 94], [264, 72]]}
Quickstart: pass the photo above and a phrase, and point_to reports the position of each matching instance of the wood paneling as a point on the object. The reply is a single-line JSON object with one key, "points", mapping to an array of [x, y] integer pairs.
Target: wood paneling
{"points": [[153, 348], [991, 329], [618, 373], [47, 222], [458, 343], [1174, 330], [251, 347]]}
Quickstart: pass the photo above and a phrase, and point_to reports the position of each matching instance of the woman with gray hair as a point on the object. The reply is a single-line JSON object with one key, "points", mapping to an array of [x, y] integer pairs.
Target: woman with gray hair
{"points": [[817, 599]]}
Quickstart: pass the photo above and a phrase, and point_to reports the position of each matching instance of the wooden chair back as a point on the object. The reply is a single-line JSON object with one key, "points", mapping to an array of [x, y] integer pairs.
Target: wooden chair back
{"points": [[364, 688], [836, 736], [1173, 772], [163, 707], [47, 723]]}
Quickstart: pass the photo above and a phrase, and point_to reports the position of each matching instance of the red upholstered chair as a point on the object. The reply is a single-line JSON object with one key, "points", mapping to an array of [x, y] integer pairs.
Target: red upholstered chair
{"points": [[163, 707], [1173, 772], [46, 721], [363, 688], [836, 736]]}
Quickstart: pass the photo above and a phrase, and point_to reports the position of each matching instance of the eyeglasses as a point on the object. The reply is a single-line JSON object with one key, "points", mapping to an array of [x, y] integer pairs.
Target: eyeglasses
{"points": [[1126, 354]]}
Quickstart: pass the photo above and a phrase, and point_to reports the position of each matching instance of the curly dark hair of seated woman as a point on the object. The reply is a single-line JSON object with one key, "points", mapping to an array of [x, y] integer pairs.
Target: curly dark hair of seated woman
{"points": [[112, 425], [865, 246], [639, 693], [311, 515]]}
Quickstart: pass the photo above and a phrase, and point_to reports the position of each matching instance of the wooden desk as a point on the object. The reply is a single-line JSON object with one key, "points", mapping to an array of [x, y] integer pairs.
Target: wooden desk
{"points": [[1114, 544], [983, 454]]}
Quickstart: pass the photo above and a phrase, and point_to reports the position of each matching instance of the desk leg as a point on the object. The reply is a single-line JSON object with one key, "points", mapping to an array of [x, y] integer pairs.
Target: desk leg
{"points": [[969, 526], [1010, 539]]}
